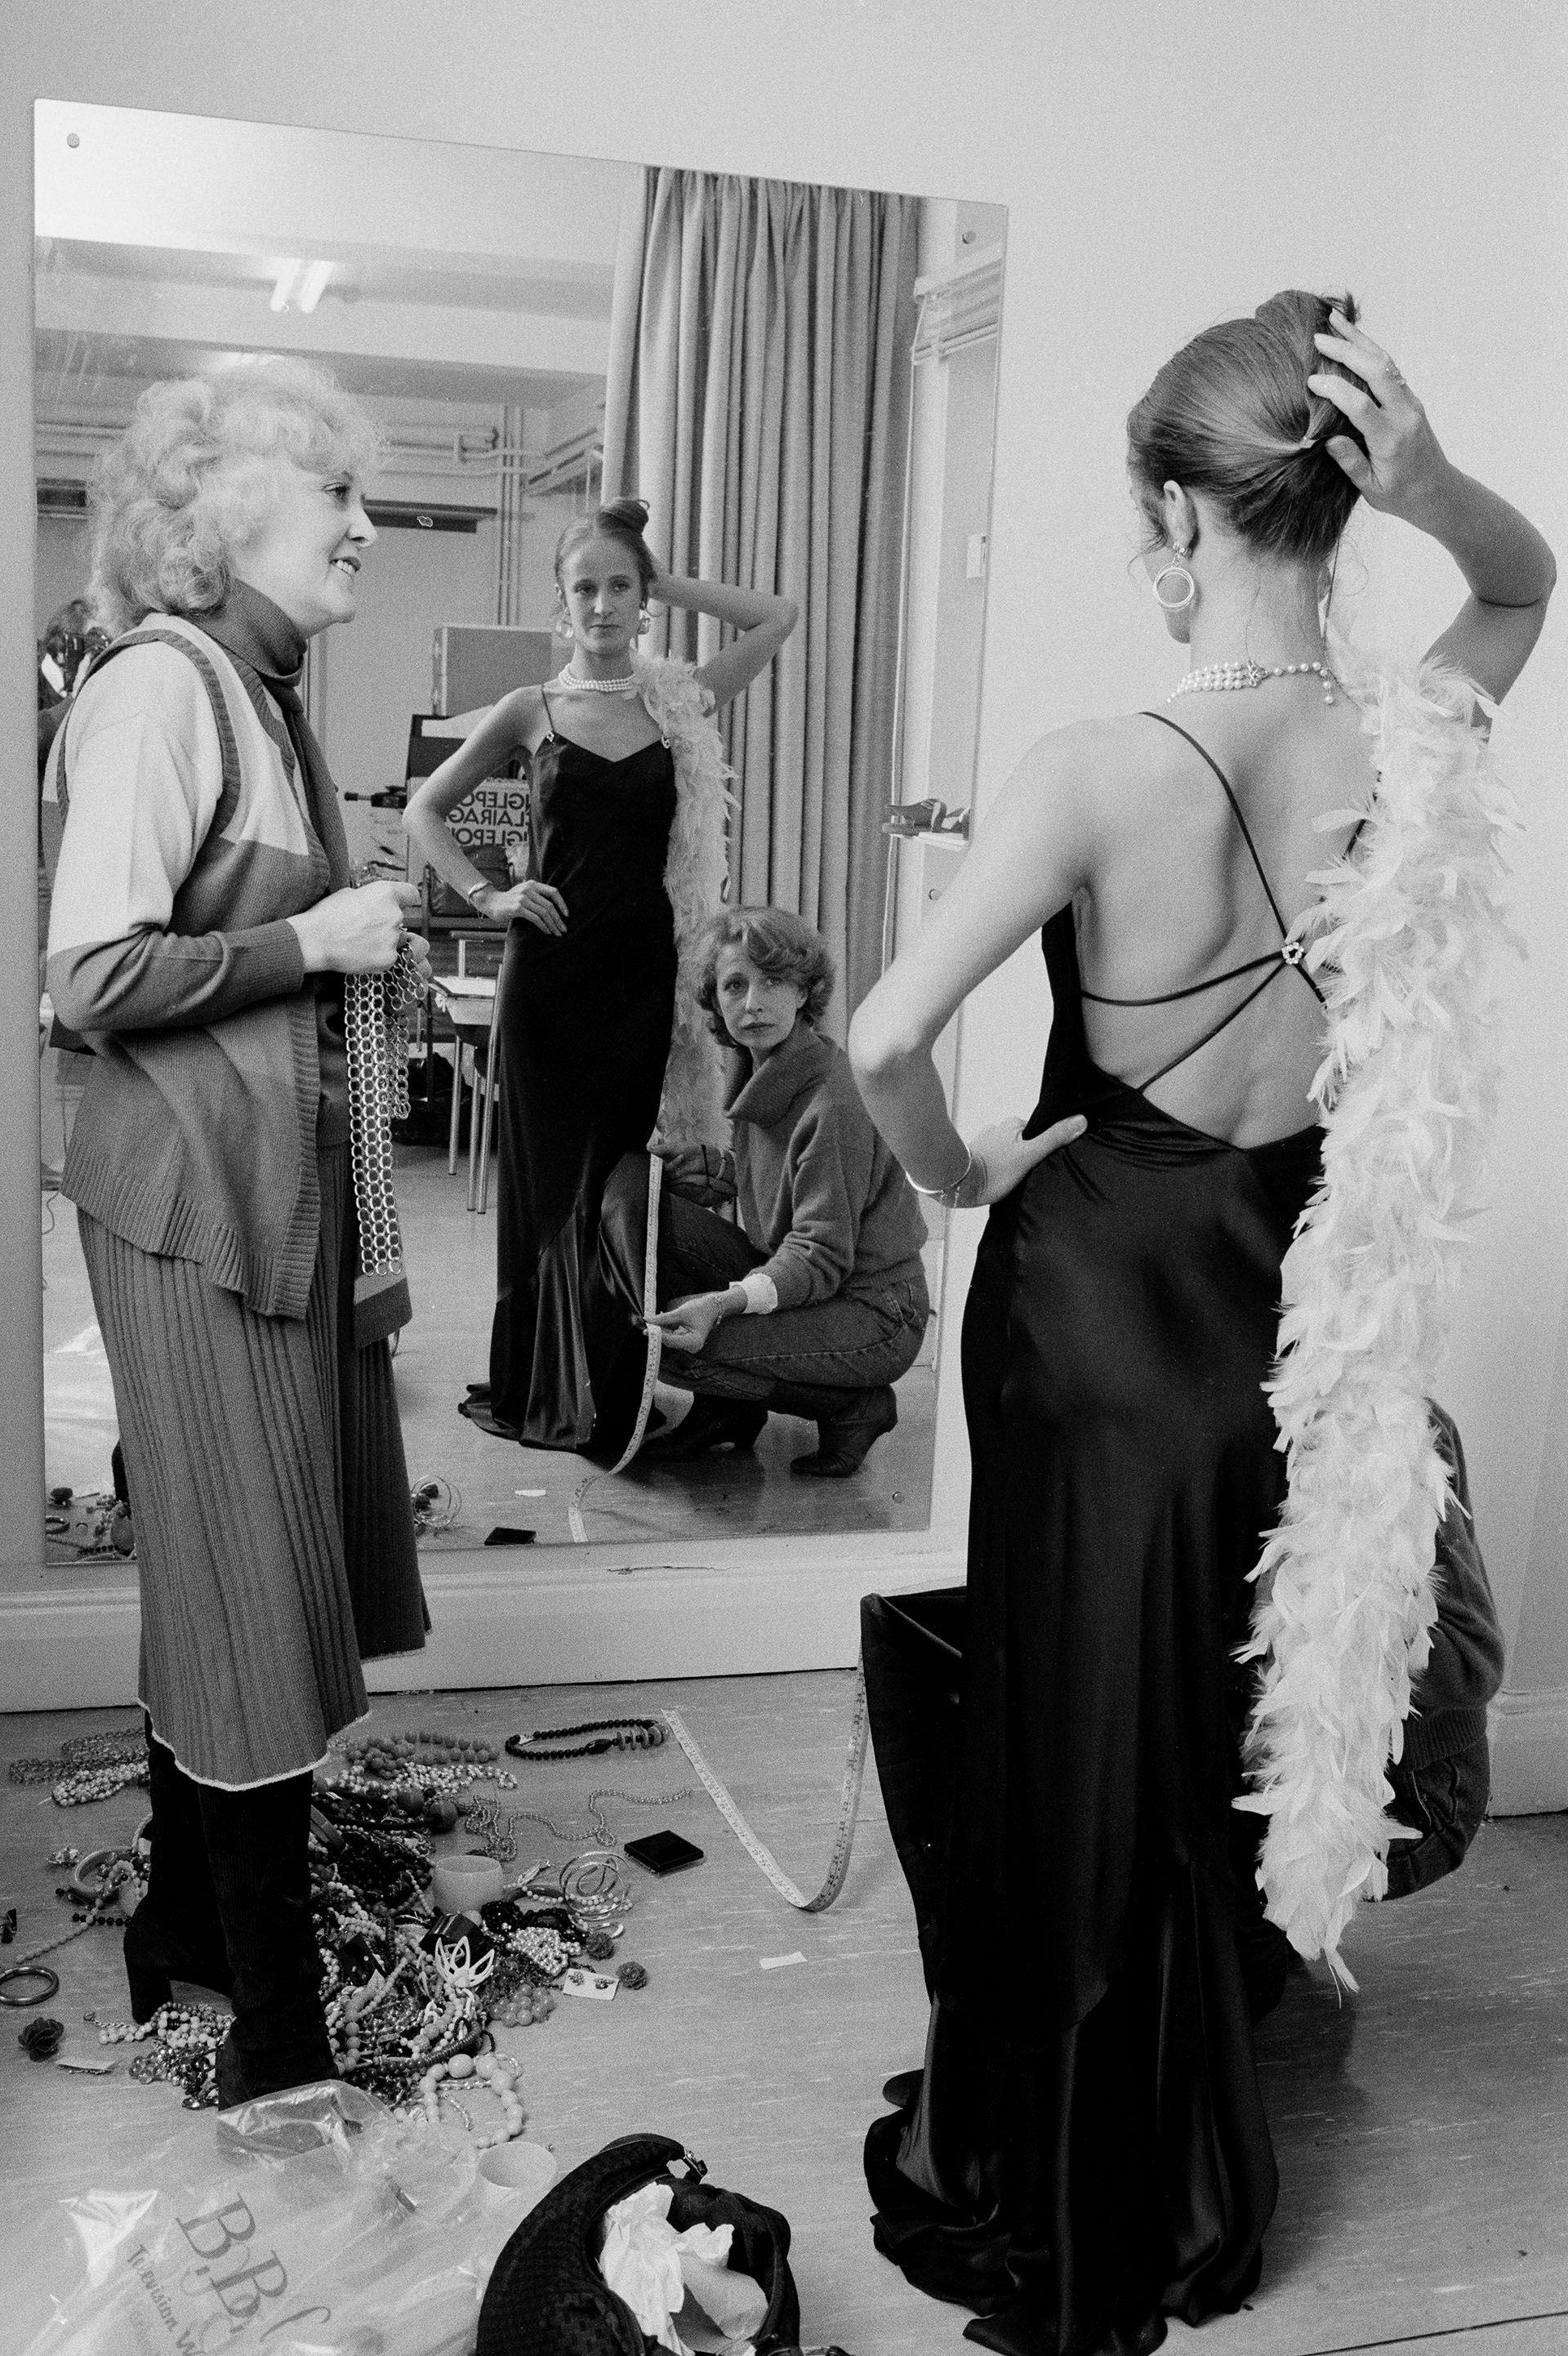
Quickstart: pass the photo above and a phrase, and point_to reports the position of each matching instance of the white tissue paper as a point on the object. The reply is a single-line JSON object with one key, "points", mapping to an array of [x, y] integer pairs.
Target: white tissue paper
{"points": [[678, 2285]]}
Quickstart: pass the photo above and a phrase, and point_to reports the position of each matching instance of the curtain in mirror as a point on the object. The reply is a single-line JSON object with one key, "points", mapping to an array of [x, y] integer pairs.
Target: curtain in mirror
{"points": [[758, 398]]}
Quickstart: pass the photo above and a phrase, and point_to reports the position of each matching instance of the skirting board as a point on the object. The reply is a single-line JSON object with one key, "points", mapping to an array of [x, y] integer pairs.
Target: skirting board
{"points": [[515, 1619], [1529, 1754]]}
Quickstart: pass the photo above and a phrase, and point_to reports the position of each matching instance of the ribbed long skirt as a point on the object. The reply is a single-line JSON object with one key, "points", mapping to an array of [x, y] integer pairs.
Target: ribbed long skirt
{"points": [[269, 1498]]}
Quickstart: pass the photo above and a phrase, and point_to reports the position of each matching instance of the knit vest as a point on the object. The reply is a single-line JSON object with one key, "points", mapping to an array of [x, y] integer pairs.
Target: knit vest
{"points": [[197, 1139]]}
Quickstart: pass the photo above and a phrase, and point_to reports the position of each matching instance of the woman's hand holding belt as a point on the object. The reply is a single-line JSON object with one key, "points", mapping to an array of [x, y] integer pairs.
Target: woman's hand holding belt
{"points": [[536, 903], [359, 930]]}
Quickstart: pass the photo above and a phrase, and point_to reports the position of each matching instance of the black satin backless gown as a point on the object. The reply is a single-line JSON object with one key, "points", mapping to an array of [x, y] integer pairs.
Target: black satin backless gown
{"points": [[1085, 2147], [583, 1032]]}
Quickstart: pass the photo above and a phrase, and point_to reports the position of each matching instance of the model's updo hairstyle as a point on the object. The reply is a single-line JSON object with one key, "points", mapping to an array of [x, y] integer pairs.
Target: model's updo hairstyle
{"points": [[1228, 416], [621, 519]]}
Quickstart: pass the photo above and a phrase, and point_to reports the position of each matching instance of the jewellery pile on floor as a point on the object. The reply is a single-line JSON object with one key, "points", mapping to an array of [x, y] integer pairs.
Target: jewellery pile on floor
{"points": [[410, 1994]]}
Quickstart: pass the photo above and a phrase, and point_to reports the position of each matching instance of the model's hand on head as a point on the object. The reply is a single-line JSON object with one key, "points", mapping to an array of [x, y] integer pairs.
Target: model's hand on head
{"points": [[1402, 466], [536, 903], [359, 930]]}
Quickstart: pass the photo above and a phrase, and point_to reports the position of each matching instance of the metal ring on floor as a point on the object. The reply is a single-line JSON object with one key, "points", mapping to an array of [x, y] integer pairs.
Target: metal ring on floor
{"points": [[29, 1972]]}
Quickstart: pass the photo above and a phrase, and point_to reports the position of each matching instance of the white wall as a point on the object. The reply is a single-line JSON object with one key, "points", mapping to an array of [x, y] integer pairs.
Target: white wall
{"points": [[378, 669], [1162, 168]]}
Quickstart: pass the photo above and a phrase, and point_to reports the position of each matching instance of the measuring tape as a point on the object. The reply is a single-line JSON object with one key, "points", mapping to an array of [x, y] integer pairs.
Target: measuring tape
{"points": [[651, 1365], [848, 1807]]}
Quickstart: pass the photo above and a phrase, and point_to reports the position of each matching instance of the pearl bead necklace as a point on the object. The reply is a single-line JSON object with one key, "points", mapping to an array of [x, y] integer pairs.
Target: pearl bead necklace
{"points": [[569, 679], [496, 2070], [1218, 677]]}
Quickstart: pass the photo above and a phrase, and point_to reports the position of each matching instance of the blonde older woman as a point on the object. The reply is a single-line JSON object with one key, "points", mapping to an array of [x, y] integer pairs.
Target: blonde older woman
{"points": [[200, 928]]}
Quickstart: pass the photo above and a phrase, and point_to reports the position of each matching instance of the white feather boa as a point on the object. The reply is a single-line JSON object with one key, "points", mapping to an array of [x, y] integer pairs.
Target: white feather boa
{"points": [[1404, 947], [696, 878]]}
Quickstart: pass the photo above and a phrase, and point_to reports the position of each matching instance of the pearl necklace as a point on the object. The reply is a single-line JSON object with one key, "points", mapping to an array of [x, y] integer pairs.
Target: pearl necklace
{"points": [[1217, 676], [498, 2071], [569, 679]]}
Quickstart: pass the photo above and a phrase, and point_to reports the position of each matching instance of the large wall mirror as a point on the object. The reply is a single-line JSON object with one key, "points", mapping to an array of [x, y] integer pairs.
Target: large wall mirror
{"points": [[535, 332]]}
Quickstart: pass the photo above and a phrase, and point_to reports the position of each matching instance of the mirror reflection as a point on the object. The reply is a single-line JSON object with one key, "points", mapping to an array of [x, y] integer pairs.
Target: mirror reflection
{"points": [[528, 712]]}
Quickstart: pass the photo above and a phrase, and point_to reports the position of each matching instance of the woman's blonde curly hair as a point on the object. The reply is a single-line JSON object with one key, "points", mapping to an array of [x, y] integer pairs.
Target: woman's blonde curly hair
{"points": [[195, 476]]}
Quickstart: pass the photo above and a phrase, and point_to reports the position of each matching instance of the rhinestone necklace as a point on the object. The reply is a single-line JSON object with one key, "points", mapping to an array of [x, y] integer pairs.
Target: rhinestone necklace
{"points": [[1215, 678]]}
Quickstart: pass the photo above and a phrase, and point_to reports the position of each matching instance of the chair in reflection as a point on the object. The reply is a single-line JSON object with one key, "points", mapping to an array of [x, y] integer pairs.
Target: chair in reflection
{"points": [[468, 1003]]}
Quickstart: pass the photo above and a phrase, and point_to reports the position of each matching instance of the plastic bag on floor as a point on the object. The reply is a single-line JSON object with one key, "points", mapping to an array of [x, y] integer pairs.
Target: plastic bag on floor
{"points": [[311, 2223]]}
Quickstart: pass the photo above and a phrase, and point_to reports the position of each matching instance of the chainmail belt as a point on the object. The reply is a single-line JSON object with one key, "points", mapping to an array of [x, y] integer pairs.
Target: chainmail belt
{"points": [[375, 1013]]}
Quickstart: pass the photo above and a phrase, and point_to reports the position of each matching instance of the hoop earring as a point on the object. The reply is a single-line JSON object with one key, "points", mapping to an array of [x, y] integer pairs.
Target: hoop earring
{"points": [[562, 624], [645, 623], [1188, 596]]}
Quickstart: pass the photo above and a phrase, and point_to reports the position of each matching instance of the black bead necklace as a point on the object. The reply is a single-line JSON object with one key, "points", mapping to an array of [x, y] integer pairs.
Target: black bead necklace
{"points": [[604, 1734]]}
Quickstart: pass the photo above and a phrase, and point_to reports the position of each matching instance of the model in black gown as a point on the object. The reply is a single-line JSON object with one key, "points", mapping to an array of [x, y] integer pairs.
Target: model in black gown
{"points": [[1086, 2144], [582, 1032], [594, 1039]]}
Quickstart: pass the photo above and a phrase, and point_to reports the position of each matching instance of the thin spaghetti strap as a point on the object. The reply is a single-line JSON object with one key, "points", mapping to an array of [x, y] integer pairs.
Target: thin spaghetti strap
{"points": [[1194, 989], [1236, 810], [1223, 1024], [547, 712]]}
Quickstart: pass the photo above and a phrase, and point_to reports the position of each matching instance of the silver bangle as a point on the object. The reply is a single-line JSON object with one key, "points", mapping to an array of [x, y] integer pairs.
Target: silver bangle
{"points": [[483, 885], [947, 1195]]}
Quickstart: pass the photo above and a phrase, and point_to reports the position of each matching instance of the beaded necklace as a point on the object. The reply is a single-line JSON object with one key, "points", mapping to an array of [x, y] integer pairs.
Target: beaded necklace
{"points": [[482, 1819], [90, 1767], [1221, 677], [607, 1733], [575, 685]]}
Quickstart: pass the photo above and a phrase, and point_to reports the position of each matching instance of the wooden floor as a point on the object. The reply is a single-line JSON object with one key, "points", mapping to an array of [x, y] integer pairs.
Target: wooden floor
{"points": [[1422, 2126]]}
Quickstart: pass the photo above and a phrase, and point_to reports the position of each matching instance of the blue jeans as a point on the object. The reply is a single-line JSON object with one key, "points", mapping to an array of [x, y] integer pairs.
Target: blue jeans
{"points": [[854, 1342], [1444, 1801]]}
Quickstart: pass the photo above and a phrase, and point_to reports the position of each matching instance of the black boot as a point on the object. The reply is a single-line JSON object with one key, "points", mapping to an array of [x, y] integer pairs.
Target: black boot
{"points": [[257, 1844], [847, 1424], [176, 1933], [712, 1423]]}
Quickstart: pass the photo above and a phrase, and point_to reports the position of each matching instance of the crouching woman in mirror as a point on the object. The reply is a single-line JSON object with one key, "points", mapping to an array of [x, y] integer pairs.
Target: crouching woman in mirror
{"points": [[201, 928], [816, 1301]]}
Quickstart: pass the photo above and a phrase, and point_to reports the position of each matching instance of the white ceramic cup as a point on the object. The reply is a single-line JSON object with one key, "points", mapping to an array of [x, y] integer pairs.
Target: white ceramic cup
{"points": [[516, 2176], [462, 1884]]}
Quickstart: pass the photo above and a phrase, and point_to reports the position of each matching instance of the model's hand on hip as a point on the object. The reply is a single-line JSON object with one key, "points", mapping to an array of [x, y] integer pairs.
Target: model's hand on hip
{"points": [[359, 930], [536, 903], [1002, 1157]]}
